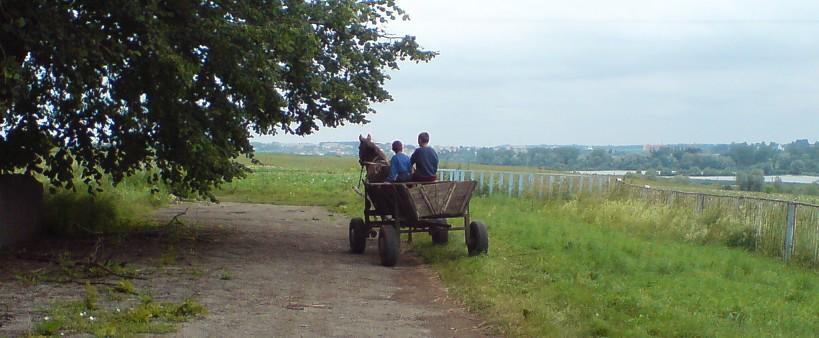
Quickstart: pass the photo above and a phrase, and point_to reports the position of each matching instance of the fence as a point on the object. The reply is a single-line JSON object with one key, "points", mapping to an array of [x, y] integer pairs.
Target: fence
{"points": [[531, 184], [780, 228]]}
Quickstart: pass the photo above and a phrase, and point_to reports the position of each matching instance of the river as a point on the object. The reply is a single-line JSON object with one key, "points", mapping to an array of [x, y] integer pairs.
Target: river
{"points": [[770, 178]]}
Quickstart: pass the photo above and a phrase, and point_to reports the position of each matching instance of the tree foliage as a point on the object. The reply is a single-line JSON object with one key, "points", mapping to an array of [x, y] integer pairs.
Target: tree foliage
{"points": [[798, 157], [177, 87]]}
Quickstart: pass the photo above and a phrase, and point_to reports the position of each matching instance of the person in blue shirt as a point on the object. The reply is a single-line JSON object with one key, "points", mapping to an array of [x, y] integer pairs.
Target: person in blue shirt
{"points": [[425, 160], [400, 168]]}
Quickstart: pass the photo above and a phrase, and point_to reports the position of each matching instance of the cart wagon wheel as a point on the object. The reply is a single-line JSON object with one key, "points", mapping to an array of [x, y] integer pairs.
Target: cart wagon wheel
{"points": [[358, 235], [440, 234], [388, 244], [478, 241]]}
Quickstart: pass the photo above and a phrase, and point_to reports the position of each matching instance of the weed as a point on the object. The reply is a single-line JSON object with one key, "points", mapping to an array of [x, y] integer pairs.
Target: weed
{"points": [[90, 297], [125, 286], [146, 317], [226, 275], [169, 257]]}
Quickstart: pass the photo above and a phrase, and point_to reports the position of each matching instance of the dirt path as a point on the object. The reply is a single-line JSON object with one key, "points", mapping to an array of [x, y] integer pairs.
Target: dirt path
{"points": [[291, 274], [261, 271]]}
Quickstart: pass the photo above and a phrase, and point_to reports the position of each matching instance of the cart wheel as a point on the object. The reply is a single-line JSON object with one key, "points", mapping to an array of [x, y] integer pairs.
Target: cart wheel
{"points": [[358, 235], [440, 234], [388, 244], [478, 241]]}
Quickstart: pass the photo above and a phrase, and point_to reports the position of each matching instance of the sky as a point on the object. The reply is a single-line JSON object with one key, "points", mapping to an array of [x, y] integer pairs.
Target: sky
{"points": [[601, 72]]}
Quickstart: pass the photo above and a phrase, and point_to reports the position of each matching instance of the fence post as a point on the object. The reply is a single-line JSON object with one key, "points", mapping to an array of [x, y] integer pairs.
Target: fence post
{"points": [[509, 183], [700, 203], [560, 185], [481, 181], [520, 185], [571, 184], [550, 187], [491, 182], [789, 231], [532, 184], [579, 185]]}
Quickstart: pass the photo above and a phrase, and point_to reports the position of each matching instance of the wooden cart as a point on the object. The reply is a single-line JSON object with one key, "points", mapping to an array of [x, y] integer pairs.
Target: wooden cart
{"points": [[396, 208]]}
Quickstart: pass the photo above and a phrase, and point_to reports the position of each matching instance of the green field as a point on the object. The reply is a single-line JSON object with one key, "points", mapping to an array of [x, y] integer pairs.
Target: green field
{"points": [[582, 268]]}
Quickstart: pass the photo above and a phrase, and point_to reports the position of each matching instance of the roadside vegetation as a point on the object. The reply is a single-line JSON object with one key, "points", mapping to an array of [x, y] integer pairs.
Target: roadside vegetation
{"points": [[119, 208], [127, 317], [82, 256], [552, 271]]}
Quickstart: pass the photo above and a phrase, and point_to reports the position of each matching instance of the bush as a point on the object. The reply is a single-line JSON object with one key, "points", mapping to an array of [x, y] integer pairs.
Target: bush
{"points": [[750, 181], [70, 213]]}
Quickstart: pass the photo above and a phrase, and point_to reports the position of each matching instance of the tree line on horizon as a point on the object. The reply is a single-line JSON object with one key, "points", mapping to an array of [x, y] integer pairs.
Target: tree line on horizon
{"points": [[796, 158]]}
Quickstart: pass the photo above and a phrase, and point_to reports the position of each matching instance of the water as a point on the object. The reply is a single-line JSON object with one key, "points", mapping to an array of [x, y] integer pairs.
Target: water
{"points": [[804, 179]]}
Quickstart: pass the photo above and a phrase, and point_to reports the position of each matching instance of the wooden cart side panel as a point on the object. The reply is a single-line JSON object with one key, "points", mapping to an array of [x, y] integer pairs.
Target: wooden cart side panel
{"points": [[405, 205], [441, 199], [430, 200], [460, 197], [424, 198]]}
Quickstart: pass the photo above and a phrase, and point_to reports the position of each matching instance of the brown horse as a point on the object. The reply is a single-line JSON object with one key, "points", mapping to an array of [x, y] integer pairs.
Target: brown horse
{"points": [[373, 159]]}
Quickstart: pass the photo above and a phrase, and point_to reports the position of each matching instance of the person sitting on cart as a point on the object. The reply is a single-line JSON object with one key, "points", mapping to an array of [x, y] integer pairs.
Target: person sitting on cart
{"points": [[425, 160], [400, 168]]}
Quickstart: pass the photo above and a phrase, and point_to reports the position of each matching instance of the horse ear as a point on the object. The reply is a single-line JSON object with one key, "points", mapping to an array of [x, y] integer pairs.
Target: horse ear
{"points": [[369, 137], [360, 138]]}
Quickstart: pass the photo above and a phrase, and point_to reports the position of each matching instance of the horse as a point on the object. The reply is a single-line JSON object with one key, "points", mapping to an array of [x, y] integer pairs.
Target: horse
{"points": [[373, 159]]}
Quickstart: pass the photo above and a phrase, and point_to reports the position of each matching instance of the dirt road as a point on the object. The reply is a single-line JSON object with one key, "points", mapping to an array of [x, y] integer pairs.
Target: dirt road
{"points": [[291, 274], [260, 271]]}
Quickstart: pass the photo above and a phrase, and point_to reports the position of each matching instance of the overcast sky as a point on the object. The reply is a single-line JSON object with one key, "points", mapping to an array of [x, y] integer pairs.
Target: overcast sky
{"points": [[603, 72]]}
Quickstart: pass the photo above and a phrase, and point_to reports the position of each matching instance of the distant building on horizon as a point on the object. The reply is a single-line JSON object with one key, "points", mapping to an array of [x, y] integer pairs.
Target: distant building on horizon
{"points": [[650, 148]]}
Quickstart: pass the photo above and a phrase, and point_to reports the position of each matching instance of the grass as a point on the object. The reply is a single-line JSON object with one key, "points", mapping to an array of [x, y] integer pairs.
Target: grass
{"points": [[85, 316], [549, 272], [300, 180], [584, 267], [116, 209]]}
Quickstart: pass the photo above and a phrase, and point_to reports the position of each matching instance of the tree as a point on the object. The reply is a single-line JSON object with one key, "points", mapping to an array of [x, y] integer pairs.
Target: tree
{"points": [[177, 87], [598, 159], [567, 155]]}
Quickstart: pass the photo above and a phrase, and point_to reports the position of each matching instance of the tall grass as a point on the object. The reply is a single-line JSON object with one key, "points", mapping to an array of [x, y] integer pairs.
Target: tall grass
{"points": [[114, 209]]}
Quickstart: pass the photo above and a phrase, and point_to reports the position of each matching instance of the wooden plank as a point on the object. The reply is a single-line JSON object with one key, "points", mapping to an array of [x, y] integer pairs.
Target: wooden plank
{"points": [[426, 199], [448, 197]]}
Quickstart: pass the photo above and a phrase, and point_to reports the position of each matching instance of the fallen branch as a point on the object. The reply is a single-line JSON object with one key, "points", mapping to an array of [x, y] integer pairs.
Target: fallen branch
{"points": [[175, 219]]}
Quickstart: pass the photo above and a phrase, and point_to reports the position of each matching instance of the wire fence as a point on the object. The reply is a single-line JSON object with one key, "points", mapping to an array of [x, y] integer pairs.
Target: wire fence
{"points": [[779, 228]]}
